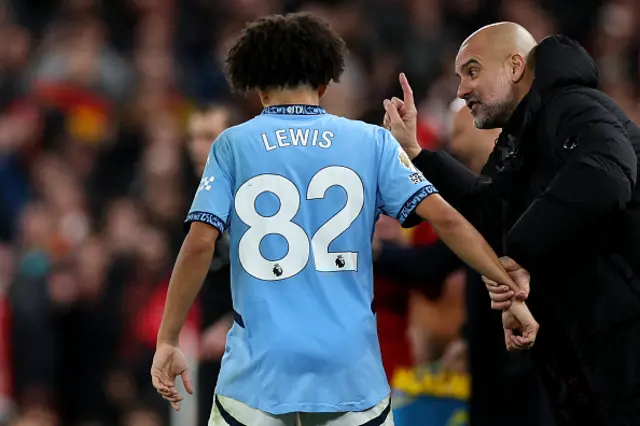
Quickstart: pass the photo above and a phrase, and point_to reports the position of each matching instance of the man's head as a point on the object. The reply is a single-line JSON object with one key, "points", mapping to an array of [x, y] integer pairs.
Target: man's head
{"points": [[296, 52], [470, 145], [204, 127], [493, 72]]}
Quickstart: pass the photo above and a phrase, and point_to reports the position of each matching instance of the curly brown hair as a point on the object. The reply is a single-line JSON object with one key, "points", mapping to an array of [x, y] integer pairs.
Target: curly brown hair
{"points": [[277, 52]]}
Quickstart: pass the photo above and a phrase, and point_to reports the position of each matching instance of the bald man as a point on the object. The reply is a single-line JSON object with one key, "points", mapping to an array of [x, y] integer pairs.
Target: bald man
{"points": [[559, 197]]}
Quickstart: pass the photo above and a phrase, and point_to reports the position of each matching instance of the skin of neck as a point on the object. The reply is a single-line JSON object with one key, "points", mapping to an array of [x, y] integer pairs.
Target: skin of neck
{"points": [[302, 95]]}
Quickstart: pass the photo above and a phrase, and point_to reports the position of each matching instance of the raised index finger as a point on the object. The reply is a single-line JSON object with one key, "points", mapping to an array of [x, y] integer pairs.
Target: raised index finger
{"points": [[407, 91]]}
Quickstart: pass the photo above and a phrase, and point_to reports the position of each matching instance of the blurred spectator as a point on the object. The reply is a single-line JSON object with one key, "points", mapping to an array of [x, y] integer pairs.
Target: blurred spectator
{"points": [[392, 304], [7, 267], [205, 125], [78, 54], [142, 417]]}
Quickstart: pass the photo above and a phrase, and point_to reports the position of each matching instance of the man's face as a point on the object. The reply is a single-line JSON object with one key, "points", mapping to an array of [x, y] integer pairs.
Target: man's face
{"points": [[485, 85], [204, 128]]}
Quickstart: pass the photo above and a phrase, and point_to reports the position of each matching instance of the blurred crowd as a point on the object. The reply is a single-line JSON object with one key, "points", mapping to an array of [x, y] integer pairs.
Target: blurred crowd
{"points": [[107, 110]]}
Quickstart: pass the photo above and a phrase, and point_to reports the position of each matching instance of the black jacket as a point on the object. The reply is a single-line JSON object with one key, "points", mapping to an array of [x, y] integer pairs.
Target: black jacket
{"points": [[562, 201]]}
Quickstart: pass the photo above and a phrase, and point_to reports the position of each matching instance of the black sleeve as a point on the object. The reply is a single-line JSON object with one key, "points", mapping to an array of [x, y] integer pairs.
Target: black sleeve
{"points": [[455, 182], [596, 181], [472, 195], [425, 266]]}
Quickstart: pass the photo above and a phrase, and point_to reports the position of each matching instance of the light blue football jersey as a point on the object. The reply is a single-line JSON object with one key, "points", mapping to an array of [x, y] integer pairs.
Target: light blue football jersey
{"points": [[299, 192]]}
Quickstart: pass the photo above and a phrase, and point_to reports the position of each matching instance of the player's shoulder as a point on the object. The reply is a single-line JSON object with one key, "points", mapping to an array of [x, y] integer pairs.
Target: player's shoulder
{"points": [[230, 137], [352, 123]]}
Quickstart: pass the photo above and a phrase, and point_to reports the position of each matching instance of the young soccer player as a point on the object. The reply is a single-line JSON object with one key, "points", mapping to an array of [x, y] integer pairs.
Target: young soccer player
{"points": [[299, 191]]}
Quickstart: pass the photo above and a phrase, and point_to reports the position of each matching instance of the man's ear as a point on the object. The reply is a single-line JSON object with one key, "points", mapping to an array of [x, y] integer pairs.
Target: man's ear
{"points": [[517, 66]]}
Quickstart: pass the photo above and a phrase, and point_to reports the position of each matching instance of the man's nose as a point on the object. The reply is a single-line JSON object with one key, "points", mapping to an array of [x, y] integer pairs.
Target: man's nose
{"points": [[464, 91]]}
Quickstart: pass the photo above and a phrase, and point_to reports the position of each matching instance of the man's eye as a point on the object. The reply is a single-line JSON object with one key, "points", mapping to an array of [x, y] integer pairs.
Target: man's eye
{"points": [[473, 72]]}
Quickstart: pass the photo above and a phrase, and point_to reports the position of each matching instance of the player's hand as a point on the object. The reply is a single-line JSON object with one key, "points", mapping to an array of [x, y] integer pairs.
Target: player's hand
{"points": [[168, 363], [501, 295], [520, 328], [401, 118]]}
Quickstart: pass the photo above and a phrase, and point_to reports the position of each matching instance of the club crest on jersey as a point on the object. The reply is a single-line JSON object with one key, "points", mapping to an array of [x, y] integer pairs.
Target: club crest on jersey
{"points": [[205, 183]]}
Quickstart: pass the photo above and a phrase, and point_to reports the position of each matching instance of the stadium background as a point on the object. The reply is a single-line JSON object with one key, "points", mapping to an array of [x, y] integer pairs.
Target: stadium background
{"points": [[95, 175]]}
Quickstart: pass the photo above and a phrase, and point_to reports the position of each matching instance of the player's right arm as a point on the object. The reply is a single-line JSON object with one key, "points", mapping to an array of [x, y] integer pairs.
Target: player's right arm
{"points": [[467, 243], [463, 239], [404, 192]]}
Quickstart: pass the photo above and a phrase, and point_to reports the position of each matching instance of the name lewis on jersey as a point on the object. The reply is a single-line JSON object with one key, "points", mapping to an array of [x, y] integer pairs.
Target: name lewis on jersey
{"points": [[284, 138]]}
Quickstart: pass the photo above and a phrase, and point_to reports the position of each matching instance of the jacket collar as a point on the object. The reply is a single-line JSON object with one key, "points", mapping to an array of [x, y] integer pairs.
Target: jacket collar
{"points": [[524, 114], [559, 62]]}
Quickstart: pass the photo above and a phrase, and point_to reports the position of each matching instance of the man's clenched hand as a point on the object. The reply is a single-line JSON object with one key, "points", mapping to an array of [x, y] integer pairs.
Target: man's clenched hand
{"points": [[501, 295], [520, 328]]}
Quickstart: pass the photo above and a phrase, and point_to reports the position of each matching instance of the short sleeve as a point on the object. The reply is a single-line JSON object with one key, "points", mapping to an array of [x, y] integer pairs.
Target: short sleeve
{"points": [[214, 197], [401, 187]]}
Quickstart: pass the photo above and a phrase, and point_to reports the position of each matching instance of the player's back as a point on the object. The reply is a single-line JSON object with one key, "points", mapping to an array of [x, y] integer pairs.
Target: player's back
{"points": [[307, 187]]}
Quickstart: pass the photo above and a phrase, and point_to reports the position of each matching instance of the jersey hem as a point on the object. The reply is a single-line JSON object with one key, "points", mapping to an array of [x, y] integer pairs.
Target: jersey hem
{"points": [[311, 407]]}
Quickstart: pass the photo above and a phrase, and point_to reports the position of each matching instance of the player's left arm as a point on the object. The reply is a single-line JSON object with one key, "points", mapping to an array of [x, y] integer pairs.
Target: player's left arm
{"points": [[205, 222], [596, 181]]}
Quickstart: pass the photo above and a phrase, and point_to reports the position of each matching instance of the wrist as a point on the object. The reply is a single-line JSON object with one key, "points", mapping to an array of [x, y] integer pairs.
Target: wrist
{"points": [[515, 303], [413, 151], [167, 340]]}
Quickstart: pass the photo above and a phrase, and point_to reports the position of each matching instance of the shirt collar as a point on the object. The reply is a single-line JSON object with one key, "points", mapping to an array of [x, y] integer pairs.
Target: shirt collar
{"points": [[294, 110]]}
